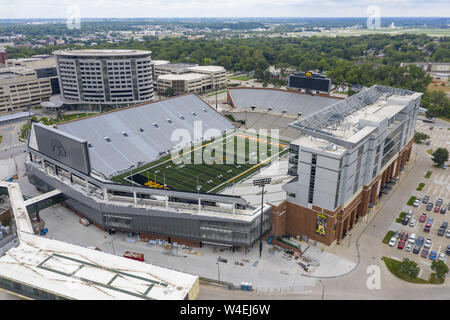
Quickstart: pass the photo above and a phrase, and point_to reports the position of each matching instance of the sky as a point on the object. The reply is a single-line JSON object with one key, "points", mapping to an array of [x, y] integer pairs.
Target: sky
{"points": [[10, 9]]}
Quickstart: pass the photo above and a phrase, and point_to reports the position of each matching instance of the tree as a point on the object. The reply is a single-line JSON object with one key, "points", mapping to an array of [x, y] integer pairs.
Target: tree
{"points": [[419, 137], [265, 84], [169, 92], [409, 267], [440, 269], [440, 156]]}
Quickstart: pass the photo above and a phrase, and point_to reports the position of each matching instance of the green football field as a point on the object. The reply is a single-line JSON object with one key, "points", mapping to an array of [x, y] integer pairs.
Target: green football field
{"points": [[213, 175]]}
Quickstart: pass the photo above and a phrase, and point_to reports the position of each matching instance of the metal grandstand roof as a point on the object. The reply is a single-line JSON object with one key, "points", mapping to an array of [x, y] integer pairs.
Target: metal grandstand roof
{"points": [[280, 100], [123, 138], [326, 116]]}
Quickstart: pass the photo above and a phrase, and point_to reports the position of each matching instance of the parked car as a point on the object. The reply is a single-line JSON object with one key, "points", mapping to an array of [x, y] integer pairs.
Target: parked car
{"points": [[439, 202], [427, 227], [416, 249], [404, 236], [437, 208], [423, 217], [429, 206], [412, 223], [405, 220], [447, 251], [444, 224], [420, 241], [433, 255], [441, 257], [447, 235], [134, 256], [443, 210], [412, 238], [408, 247], [428, 143], [430, 220], [441, 232], [424, 253], [85, 222], [444, 166], [401, 244], [425, 199], [397, 234], [392, 241], [428, 243], [448, 206], [416, 203]]}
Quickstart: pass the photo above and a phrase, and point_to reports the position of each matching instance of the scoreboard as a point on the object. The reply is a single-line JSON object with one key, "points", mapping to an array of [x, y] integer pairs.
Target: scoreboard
{"points": [[309, 81]]}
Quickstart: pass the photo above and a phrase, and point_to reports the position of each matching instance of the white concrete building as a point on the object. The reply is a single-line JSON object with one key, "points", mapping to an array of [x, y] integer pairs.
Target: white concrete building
{"points": [[105, 77], [20, 87]]}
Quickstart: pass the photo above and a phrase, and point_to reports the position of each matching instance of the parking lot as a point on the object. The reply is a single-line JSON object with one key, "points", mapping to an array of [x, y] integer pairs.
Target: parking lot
{"points": [[437, 186], [438, 243]]}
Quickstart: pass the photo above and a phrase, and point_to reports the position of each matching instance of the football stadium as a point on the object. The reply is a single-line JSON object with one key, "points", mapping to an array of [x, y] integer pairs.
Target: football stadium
{"points": [[157, 169], [231, 160], [260, 108]]}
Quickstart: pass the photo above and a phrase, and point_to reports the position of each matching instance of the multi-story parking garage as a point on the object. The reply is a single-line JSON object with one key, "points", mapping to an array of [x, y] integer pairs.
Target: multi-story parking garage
{"points": [[102, 78]]}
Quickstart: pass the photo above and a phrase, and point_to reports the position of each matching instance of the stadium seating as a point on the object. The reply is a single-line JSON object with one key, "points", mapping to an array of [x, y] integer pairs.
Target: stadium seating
{"points": [[128, 137]]}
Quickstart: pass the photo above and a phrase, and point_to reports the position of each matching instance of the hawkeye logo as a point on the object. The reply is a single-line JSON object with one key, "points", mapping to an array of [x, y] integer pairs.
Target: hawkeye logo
{"points": [[308, 75], [58, 148]]}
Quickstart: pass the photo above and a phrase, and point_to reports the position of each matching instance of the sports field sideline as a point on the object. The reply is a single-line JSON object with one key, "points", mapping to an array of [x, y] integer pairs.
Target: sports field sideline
{"points": [[181, 173]]}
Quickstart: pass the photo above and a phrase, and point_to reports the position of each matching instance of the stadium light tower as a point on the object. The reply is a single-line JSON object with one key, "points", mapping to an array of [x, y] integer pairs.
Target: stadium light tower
{"points": [[261, 183]]}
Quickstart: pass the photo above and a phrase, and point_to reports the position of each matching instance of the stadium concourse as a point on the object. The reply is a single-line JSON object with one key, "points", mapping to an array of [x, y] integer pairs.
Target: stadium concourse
{"points": [[262, 108]]}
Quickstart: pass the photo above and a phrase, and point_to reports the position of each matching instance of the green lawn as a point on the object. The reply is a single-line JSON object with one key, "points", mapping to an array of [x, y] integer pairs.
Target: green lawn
{"points": [[388, 237], [411, 200], [212, 177], [394, 267], [401, 217], [240, 78]]}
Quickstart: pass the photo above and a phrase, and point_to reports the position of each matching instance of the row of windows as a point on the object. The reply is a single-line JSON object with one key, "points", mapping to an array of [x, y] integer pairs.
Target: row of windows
{"points": [[312, 178]]}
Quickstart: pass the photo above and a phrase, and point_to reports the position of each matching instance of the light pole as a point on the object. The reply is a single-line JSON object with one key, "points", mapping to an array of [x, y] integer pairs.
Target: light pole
{"points": [[218, 268], [216, 97], [261, 183]]}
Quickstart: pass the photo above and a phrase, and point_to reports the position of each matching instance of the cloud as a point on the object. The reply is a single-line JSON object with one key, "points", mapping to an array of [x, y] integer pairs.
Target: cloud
{"points": [[220, 8]]}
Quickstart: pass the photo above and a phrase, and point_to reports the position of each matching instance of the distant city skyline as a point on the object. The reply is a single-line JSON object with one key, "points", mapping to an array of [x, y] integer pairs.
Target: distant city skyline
{"points": [[23, 9]]}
